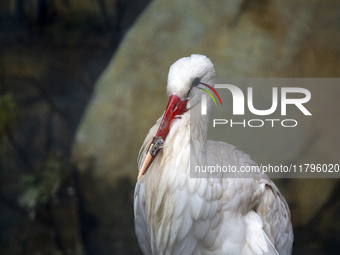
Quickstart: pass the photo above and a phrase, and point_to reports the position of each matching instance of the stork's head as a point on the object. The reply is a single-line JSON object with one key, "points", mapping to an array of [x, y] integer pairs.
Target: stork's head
{"points": [[187, 73], [184, 76]]}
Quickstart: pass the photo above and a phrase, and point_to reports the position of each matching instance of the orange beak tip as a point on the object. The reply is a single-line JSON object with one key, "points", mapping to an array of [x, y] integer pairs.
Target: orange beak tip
{"points": [[145, 165]]}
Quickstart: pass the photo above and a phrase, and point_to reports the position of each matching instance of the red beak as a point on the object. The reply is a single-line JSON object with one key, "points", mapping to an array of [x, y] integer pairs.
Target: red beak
{"points": [[175, 107]]}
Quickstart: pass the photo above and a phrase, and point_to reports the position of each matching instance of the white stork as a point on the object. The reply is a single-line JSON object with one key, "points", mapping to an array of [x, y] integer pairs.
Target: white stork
{"points": [[176, 214]]}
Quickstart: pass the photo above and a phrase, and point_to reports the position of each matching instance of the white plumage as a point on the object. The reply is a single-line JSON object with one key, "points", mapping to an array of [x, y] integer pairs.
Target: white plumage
{"points": [[176, 214]]}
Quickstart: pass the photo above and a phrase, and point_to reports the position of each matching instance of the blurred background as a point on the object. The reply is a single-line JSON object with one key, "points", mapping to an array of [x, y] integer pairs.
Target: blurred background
{"points": [[81, 83]]}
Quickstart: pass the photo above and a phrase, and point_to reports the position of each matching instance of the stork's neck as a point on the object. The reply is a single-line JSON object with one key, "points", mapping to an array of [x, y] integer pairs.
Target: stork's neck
{"points": [[198, 135], [188, 137]]}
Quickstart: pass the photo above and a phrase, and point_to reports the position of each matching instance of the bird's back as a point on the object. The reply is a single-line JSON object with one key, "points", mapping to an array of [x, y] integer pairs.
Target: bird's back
{"points": [[254, 210]]}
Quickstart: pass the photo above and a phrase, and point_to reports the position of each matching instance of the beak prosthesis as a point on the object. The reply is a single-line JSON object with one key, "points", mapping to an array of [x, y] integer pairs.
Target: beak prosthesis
{"points": [[175, 107]]}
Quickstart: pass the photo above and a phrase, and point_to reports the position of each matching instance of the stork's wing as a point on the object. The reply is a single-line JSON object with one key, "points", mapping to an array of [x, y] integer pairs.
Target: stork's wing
{"points": [[275, 215], [262, 200]]}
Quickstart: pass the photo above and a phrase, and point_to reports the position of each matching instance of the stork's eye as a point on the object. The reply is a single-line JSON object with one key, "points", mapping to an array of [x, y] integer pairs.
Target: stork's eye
{"points": [[195, 82]]}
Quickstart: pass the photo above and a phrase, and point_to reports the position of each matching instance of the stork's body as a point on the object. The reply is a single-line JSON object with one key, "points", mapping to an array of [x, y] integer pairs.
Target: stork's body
{"points": [[176, 214]]}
